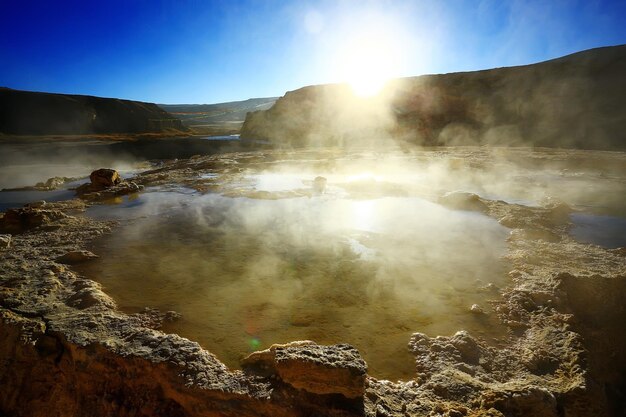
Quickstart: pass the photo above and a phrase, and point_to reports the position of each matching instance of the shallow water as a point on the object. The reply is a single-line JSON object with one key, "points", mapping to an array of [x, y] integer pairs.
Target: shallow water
{"points": [[606, 231], [246, 273], [27, 163], [15, 199], [13, 176], [221, 137], [277, 182]]}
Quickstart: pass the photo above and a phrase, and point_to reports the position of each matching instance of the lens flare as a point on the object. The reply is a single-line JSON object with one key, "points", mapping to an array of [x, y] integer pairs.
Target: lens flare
{"points": [[254, 344]]}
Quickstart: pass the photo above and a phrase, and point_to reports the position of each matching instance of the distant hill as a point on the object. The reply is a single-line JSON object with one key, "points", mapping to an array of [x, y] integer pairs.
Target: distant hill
{"points": [[32, 113], [220, 118], [577, 101]]}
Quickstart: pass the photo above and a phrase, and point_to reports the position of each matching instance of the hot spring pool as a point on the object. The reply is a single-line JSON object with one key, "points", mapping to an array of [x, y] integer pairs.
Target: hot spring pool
{"points": [[246, 273], [262, 259]]}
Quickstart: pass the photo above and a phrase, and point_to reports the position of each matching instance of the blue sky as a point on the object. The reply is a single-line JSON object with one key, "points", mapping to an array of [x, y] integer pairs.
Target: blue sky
{"points": [[193, 51]]}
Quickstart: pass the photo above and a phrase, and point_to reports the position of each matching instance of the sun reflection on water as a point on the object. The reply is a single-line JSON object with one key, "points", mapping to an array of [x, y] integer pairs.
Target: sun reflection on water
{"points": [[364, 176], [364, 215]]}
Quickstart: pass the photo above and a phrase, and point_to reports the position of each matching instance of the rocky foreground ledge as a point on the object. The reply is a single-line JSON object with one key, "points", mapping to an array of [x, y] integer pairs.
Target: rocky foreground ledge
{"points": [[67, 350]]}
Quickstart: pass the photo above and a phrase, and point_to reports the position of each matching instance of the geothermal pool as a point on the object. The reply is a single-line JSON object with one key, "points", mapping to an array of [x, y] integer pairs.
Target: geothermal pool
{"points": [[251, 255], [249, 272]]}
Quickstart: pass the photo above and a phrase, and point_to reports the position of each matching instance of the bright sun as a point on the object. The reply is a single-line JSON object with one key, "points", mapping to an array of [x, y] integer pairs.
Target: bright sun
{"points": [[367, 60]]}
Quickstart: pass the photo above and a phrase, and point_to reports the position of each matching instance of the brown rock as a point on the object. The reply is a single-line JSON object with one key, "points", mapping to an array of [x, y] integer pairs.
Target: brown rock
{"points": [[105, 177], [466, 345], [95, 192], [334, 369], [101, 179], [77, 256], [23, 219], [89, 297], [471, 108]]}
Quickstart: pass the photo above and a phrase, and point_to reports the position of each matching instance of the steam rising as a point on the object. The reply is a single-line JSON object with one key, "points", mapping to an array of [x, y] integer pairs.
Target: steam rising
{"points": [[328, 269], [369, 261], [570, 102], [25, 164]]}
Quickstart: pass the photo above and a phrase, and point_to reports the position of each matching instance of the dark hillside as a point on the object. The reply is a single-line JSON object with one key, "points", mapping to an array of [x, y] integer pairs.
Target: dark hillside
{"points": [[32, 113]]}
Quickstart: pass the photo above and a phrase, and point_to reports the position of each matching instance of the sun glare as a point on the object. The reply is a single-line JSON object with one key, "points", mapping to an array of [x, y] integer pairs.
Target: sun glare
{"points": [[364, 176], [367, 61], [364, 215]]}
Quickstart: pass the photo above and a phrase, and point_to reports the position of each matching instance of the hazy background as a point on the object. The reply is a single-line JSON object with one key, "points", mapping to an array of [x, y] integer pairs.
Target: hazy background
{"points": [[193, 51]]}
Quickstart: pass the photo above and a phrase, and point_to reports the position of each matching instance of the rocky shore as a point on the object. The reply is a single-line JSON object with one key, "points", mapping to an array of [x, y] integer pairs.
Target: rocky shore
{"points": [[67, 349]]}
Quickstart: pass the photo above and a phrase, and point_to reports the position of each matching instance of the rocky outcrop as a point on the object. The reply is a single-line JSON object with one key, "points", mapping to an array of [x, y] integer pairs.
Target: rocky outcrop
{"points": [[570, 102], [105, 177], [50, 185], [31, 113], [23, 219], [95, 192], [337, 369], [106, 183]]}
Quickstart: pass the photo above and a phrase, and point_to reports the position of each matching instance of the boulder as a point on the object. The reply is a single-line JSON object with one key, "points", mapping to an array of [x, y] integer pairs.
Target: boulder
{"points": [[106, 183], [101, 179], [305, 365], [105, 177]]}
